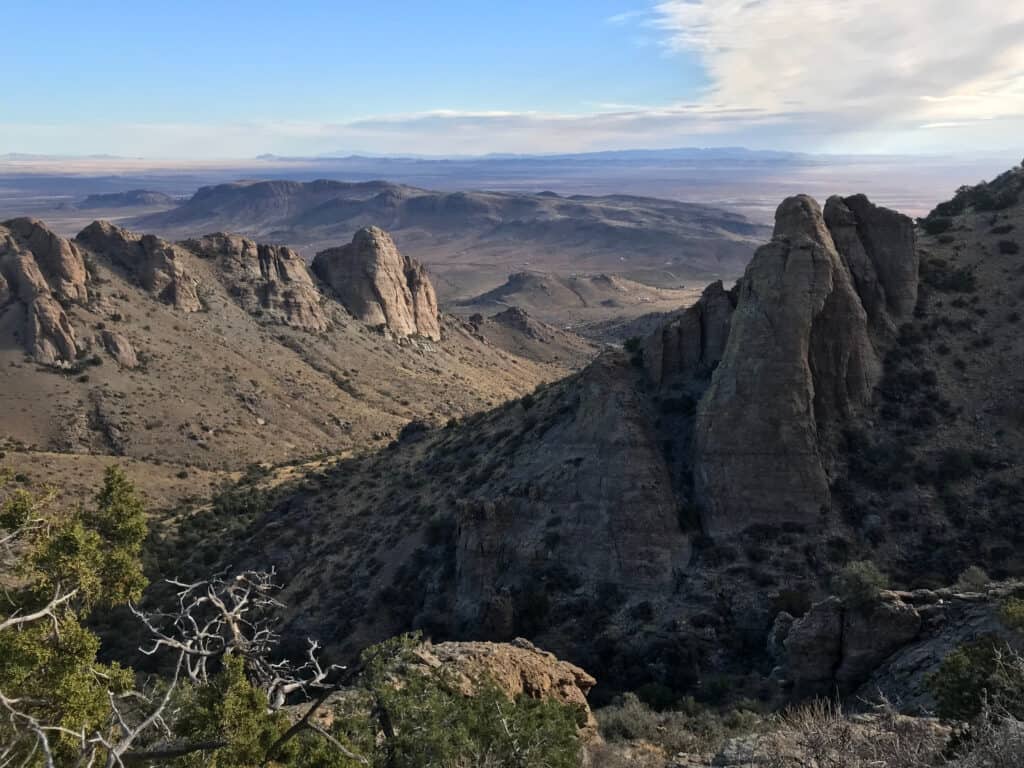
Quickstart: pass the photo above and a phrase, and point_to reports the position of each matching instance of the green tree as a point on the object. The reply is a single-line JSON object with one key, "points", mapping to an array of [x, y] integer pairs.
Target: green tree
{"points": [[65, 564]]}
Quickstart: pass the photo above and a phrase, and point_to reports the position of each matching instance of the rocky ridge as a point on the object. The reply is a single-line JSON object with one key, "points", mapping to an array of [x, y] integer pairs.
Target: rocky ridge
{"points": [[214, 339], [271, 282], [154, 264]]}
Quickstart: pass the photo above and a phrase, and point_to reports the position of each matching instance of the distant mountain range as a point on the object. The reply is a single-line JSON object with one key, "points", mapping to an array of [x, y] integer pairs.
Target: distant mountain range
{"points": [[580, 231]]}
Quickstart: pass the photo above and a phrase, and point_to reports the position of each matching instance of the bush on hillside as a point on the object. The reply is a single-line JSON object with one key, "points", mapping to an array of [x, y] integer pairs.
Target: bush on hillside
{"points": [[860, 582]]}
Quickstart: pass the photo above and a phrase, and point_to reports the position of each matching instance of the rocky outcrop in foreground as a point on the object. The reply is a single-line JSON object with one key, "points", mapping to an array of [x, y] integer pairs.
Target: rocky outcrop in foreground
{"points": [[887, 645], [152, 263], [380, 286], [518, 669], [268, 281], [39, 270]]}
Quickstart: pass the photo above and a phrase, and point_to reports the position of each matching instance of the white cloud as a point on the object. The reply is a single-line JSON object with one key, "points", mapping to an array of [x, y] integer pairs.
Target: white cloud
{"points": [[853, 65]]}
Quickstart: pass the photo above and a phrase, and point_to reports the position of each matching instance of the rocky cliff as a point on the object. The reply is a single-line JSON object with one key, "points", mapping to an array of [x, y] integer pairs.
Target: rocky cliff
{"points": [[380, 286], [269, 281], [40, 270], [154, 264], [801, 360]]}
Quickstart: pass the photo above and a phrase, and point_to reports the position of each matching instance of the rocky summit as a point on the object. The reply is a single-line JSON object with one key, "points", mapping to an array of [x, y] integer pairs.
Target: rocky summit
{"points": [[379, 285], [801, 360]]}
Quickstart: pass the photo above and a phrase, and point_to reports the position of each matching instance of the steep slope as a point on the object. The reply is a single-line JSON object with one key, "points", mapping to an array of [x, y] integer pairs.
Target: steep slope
{"points": [[651, 516], [479, 227], [216, 352]]}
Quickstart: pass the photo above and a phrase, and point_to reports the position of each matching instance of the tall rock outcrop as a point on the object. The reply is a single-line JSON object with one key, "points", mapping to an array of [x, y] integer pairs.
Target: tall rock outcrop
{"points": [[60, 262], [268, 281], [37, 268], [693, 342], [379, 285], [801, 359], [154, 264], [878, 246]]}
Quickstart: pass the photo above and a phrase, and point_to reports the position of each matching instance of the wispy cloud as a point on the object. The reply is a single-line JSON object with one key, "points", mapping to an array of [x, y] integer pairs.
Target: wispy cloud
{"points": [[628, 16]]}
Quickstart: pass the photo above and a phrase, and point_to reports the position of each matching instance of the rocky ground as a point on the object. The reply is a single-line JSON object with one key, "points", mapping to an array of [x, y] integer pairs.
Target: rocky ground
{"points": [[209, 355]]}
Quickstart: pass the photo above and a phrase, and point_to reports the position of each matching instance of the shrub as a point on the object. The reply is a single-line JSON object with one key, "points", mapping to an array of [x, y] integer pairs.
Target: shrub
{"points": [[1011, 613], [936, 225], [688, 727], [859, 582], [973, 579], [979, 674], [431, 722]]}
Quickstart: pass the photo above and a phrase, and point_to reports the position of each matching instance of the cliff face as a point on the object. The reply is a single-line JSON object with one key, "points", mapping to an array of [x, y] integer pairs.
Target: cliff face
{"points": [[269, 281], [154, 264], [800, 360], [39, 270], [380, 286]]}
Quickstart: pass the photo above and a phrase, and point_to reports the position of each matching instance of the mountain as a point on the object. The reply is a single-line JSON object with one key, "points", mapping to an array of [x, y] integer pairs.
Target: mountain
{"points": [[657, 516], [615, 231], [518, 332], [578, 300], [134, 198], [217, 352]]}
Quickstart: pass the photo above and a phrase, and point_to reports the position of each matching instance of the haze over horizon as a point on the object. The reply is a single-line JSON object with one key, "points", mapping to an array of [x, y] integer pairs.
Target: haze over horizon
{"points": [[199, 82]]}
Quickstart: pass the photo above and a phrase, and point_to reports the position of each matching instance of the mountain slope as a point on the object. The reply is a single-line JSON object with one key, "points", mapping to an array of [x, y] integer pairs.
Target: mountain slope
{"points": [[460, 227], [651, 516], [217, 352]]}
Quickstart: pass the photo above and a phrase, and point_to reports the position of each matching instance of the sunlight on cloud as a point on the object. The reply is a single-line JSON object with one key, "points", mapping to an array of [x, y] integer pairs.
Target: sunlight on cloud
{"points": [[857, 62]]}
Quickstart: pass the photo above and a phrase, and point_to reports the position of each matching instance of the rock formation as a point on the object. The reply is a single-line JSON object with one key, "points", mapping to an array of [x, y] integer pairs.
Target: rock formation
{"points": [[268, 281], [800, 361], [120, 348], [879, 247], [38, 268], [152, 263], [518, 669], [380, 286], [694, 341], [60, 262]]}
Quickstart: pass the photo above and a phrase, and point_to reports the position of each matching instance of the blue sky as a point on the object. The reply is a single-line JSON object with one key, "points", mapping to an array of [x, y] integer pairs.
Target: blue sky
{"points": [[234, 79]]}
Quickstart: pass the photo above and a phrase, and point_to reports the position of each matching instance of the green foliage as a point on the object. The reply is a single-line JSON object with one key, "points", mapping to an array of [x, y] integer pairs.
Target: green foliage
{"points": [[688, 727], [426, 720], [977, 676], [859, 582], [91, 557], [1011, 613]]}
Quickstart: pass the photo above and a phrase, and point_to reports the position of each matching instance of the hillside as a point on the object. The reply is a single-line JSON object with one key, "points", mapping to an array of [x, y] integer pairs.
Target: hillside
{"points": [[652, 517], [133, 198], [445, 230], [220, 352], [578, 300]]}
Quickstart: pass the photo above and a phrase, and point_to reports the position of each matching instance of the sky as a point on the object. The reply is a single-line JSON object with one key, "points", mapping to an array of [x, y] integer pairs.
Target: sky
{"points": [[208, 79]]}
